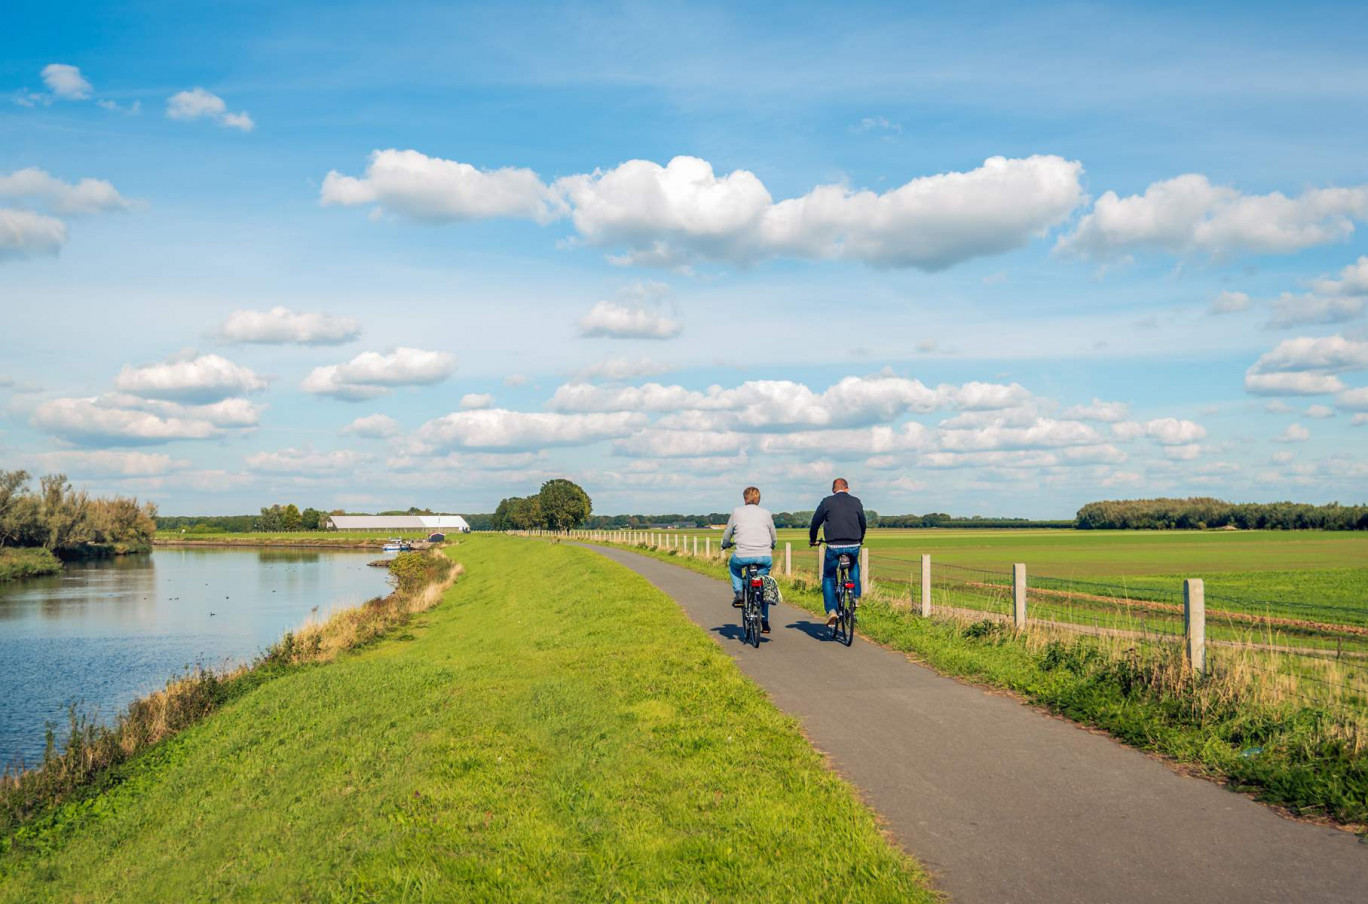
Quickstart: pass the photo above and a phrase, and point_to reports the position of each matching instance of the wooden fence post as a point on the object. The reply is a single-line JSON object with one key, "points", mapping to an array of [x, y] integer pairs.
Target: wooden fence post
{"points": [[926, 587], [707, 546], [1194, 623], [788, 560], [1019, 595], [864, 570]]}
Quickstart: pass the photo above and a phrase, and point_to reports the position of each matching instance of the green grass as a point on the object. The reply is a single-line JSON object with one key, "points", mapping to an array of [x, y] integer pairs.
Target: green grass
{"points": [[556, 730], [1304, 753], [27, 563], [1314, 575]]}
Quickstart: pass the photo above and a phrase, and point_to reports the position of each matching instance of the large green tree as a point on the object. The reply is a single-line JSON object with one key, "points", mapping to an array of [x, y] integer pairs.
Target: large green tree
{"points": [[564, 504]]}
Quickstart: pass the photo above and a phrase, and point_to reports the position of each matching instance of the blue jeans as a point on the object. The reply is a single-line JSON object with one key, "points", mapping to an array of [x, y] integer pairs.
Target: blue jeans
{"points": [[829, 565], [738, 575]]}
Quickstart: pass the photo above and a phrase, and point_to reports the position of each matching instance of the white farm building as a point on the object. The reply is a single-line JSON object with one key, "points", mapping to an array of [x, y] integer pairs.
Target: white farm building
{"points": [[438, 523]]}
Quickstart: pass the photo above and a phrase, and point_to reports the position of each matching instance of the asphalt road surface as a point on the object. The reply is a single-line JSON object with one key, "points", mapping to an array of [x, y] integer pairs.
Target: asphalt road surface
{"points": [[1004, 804]]}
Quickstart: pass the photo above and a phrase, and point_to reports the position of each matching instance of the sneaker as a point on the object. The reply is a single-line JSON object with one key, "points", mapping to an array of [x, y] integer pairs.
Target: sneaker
{"points": [[764, 627], [831, 619], [736, 601]]}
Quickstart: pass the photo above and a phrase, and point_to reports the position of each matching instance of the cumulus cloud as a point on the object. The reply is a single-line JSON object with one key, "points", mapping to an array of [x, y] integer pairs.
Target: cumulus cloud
{"points": [[196, 378], [38, 187], [1320, 411], [1332, 300], [25, 234], [684, 211], [109, 463], [373, 426], [876, 441], [1353, 399], [1169, 431], [281, 326], [1229, 303], [371, 374], [655, 443], [1306, 366], [66, 82], [198, 103], [1098, 410], [434, 190], [104, 420], [1190, 215], [305, 461], [499, 428], [473, 400], [1044, 433], [1295, 433], [612, 320], [1292, 383]]}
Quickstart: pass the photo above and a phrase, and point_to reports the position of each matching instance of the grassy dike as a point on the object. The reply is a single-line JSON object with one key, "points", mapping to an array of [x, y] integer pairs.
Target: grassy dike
{"points": [[1285, 750], [555, 730], [27, 563]]}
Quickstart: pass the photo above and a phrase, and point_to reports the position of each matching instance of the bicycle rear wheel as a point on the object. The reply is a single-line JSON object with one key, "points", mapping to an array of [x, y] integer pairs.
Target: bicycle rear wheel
{"points": [[848, 623], [755, 623]]}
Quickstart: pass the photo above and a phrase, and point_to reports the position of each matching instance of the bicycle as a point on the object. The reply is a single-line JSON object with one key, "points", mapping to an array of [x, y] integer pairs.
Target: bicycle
{"points": [[846, 600], [751, 606]]}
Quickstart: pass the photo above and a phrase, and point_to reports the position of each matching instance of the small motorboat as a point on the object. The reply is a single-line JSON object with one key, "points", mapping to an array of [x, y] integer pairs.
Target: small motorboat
{"points": [[397, 545]]}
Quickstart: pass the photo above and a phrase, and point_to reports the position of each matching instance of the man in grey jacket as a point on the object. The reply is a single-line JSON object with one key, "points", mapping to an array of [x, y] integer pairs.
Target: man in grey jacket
{"points": [[751, 530]]}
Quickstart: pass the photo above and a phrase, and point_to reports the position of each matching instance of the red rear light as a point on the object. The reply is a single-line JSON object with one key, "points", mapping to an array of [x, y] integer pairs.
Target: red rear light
{"points": [[850, 586], [756, 582]]}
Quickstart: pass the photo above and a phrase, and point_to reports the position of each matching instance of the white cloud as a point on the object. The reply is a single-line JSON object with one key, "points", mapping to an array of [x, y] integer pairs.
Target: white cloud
{"points": [[682, 211], [108, 463], [628, 321], [847, 444], [617, 369], [434, 190], [26, 234], [1127, 430], [1295, 433], [1320, 411], [202, 378], [1299, 310], [1292, 383], [1183, 452], [99, 421], [473, 400], [1353, 399], [66, 82], [371, 374], [1229, 303], [1044, 433], [280, 326], [305, 461], [655, 443], [1359, 420], [1168, 431], [36, 186], [517, 380], [1107, 412], [198, 103], [1188, 214], [1326, 353], [373, 426], [498, 428]]}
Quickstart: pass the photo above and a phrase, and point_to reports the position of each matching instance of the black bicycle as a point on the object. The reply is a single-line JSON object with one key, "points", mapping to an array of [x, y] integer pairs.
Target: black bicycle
{"points": [[846, 600], [751, 606]]}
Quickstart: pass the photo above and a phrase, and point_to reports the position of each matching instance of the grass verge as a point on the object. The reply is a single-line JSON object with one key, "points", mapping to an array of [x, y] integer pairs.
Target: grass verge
{"points": [[27, 563], [1286, 749], [32, 800], [555, 731]]}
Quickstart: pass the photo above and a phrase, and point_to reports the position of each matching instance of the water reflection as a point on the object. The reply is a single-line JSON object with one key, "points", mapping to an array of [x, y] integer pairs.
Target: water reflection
{"points": [[102, 633]]}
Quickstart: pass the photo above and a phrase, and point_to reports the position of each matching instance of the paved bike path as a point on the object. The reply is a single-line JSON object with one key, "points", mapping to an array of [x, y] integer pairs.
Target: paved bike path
{"points": [[1006, 805]]}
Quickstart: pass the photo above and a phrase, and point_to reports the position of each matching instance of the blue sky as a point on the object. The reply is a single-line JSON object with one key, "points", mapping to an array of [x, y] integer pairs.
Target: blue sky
{"points": [[994, 259]]}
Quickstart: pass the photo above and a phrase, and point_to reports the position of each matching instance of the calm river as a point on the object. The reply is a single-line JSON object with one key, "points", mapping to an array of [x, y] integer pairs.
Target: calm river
{"points": [[103, 633]]}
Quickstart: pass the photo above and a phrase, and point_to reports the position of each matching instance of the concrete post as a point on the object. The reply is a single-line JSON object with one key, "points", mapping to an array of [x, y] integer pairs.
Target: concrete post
{"points": [[864, 570], [707, 546], [695, 547], [1194, 623], [926, 587], [1019, 595], [788, 560]]}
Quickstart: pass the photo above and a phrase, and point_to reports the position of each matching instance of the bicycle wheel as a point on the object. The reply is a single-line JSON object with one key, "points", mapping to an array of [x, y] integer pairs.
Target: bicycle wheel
{"points": [[840, 608], [848, 628], [755, 622]]}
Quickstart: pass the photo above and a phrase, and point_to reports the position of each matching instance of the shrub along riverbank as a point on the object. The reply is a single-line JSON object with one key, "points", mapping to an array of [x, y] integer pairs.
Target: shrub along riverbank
{"points": [[27, 563], [556, 730], [1257, 735], [32, 800]]}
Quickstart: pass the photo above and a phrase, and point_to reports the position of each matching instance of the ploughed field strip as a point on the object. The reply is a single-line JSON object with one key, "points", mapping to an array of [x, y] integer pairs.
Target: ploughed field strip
{"points": [[1003, 803], [554, 730]]}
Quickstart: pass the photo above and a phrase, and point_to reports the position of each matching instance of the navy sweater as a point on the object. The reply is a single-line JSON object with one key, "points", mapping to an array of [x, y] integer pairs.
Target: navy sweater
{"points": [[844, 519]]}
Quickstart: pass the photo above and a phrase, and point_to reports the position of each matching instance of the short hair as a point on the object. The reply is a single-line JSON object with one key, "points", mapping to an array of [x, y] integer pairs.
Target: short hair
{"points": [[839, 484], [751, 495]]}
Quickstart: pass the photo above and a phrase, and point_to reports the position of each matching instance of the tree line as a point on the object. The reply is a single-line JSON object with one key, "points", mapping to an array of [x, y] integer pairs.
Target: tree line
{"points": [[560, 505], [68, 522], [1201, 513]]}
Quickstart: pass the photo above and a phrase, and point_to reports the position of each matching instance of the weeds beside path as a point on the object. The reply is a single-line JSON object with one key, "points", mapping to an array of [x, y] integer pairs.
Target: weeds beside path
{"points": [[556, 730]]}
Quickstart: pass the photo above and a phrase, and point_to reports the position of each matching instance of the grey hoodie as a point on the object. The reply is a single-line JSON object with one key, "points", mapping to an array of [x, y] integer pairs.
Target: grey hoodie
{"points": [[751, 528]]}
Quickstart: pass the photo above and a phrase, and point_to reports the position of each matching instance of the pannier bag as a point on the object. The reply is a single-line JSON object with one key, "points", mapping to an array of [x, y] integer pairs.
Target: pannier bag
{"points": [[771, 591]]}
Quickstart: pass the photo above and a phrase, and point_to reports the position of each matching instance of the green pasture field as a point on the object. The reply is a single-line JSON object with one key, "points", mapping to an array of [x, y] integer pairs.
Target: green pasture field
{"points": [[555, 730], [1312, 575]]}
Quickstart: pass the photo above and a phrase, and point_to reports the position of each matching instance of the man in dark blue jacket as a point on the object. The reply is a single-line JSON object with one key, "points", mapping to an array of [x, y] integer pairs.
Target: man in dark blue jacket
{"points": [[841, 517]]}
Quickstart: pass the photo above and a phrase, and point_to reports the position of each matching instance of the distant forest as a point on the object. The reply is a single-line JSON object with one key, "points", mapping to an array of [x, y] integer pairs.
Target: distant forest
{"points": [[1206, 513]]}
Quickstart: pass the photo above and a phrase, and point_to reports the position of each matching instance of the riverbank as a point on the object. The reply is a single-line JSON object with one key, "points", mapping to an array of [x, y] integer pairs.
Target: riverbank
{"points": [[92, 754], [555, 730], [27, 563], [284, 541]]}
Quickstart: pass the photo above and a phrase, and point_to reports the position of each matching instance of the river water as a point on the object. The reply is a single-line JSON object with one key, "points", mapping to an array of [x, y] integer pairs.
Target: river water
{"points": [[103, 633]]}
